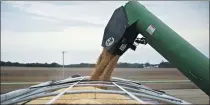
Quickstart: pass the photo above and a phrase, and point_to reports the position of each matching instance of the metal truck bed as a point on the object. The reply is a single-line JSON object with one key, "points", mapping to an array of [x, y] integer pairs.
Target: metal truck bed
{"points": [[81, 90]]}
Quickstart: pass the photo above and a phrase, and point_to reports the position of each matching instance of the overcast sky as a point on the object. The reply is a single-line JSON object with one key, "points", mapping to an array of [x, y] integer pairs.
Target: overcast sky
{"points": [[37, 31]]}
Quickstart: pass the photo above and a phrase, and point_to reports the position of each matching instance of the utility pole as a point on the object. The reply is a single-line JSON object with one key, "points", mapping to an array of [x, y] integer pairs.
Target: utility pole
{"points": [[63, 63]]}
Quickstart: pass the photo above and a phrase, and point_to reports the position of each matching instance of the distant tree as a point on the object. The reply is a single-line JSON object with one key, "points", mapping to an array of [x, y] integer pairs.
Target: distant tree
{"points": [[54, 64], [119, 65], [166, 65], [147, 64]]}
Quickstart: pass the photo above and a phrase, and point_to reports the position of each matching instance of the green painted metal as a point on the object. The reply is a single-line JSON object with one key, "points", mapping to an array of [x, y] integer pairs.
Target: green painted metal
{"points": [[188, 60]]}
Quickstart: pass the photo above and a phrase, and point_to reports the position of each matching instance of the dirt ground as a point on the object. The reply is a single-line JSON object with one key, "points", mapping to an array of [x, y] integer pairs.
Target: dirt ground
{"points": [[195, 96], [17, 74], [41, 74]]}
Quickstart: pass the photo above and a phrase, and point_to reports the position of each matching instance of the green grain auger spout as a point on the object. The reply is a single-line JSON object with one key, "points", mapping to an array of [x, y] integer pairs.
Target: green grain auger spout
{"points": [[132, 19]]}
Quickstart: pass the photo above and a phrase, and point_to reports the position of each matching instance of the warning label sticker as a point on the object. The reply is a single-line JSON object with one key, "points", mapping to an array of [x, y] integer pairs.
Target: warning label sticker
{"points": [[151, 29], [122, 47]]}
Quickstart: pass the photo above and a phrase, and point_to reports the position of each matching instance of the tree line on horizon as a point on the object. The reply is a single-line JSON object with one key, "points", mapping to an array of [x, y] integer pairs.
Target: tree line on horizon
{"points": [[83, 65]]}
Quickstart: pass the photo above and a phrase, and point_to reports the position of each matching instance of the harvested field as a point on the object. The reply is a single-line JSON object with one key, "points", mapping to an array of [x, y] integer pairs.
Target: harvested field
{"points": [[195, 96], [29, 74], [41, 74]]}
